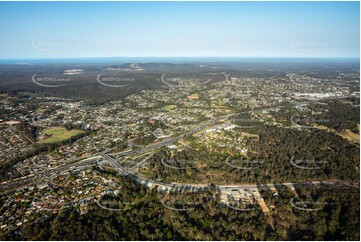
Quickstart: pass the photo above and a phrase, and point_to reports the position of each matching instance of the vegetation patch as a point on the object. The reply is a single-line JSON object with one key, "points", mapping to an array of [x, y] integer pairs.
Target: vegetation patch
{"points": [[41, 110], [169, 107]]}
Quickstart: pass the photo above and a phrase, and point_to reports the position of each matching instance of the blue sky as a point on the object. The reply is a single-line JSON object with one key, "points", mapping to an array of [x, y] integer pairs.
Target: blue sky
{"points": [[174, 29]]}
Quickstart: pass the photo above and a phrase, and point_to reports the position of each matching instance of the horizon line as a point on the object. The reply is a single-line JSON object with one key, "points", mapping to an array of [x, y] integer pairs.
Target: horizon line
{"points": [[190, 57]]}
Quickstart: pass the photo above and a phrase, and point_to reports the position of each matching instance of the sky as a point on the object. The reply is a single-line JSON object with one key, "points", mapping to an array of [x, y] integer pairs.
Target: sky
{"points": [[179, 29]]}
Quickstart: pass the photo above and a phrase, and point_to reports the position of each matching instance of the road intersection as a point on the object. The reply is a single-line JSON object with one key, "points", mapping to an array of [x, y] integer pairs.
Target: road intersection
{"points": [[114, 158]]}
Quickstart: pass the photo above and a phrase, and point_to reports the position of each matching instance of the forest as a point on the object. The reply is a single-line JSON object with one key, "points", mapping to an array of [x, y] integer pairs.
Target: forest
{"points": [[147, 219]]}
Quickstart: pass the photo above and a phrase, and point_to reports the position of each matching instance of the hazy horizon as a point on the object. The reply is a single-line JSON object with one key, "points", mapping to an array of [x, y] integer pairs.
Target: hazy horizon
{"points": [[103, 60]]}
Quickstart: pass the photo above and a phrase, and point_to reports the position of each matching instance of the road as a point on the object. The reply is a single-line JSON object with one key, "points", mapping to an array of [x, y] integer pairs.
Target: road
{"points": [[287, 184], [40, 177], [168, 84], [92, 160]]}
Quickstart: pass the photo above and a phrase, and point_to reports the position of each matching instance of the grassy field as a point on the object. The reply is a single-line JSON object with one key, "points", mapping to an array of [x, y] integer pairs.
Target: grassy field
{"points": [[169, 107], [58, 134]]}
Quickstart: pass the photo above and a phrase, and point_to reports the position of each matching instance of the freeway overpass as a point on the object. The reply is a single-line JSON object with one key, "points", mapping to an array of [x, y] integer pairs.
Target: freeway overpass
{"points": [[91, 160]]}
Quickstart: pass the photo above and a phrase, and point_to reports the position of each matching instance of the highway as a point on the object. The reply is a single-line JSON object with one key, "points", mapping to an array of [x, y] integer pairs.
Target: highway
{"points": [[168, 84], [169, 141], [113, 162], [38, 178]]}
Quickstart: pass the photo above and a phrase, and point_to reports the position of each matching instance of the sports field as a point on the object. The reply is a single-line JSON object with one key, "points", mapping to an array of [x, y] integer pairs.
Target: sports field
{"points": [[57, 134]]}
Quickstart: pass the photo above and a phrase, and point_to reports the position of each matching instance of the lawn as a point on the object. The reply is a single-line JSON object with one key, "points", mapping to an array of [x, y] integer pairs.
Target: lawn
{"points": [[58, 134]]}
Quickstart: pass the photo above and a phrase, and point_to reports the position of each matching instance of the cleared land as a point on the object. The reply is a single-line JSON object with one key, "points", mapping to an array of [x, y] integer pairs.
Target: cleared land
{"points": [[349, 135], [58, 134], [346, 134], [194, 96]]}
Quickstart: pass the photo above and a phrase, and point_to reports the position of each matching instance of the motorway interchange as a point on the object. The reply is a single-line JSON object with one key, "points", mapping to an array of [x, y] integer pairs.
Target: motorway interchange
{"points": [[22, 182], [113, 158]]}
